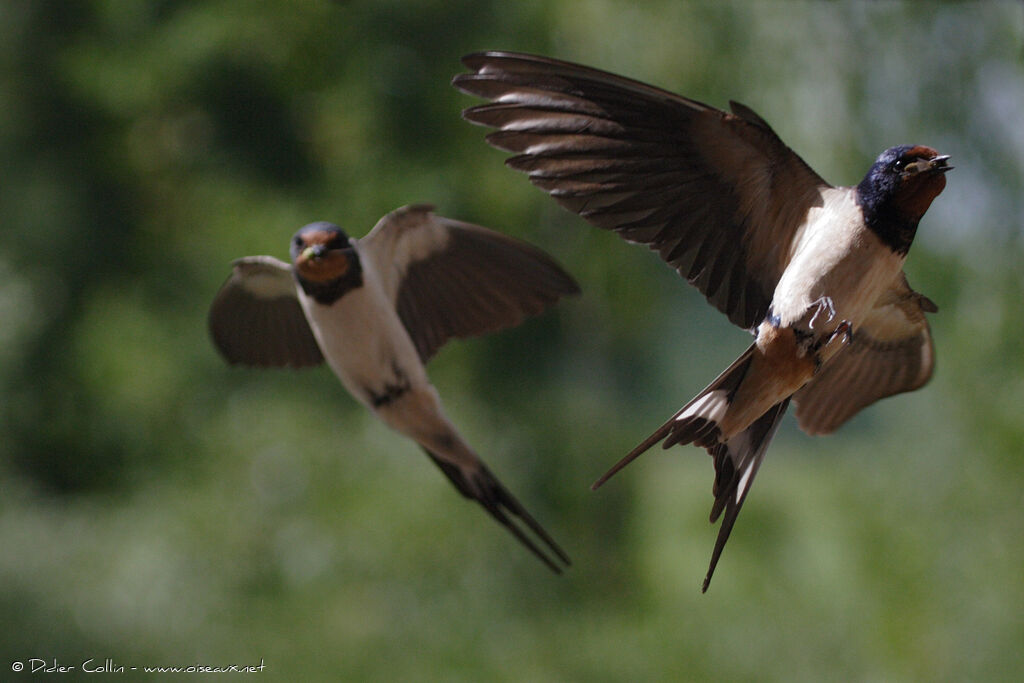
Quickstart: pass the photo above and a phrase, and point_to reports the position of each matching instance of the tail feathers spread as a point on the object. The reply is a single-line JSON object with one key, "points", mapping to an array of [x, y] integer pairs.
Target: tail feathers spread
{"points": [[697, 421], [736, 464], [483, 487], [736, 460]]}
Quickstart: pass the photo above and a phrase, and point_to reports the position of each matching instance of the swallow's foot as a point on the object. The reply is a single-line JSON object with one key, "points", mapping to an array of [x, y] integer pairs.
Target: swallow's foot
{"points": [[845, 329], [825, 307]]}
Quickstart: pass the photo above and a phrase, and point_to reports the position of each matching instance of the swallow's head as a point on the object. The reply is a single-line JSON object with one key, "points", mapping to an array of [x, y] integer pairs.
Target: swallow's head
{"points": [[321, 253], [905, 180]]}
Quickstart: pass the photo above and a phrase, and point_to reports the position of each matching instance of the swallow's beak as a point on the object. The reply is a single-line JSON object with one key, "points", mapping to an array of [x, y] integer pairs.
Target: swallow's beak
{"points": [[939, 164], [313, 253]]}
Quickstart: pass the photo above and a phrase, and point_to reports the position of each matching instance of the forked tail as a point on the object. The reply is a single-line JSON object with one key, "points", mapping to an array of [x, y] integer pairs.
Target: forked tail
{"points": [[736, 460], [697, 421], [736, 464], [481, 485]]}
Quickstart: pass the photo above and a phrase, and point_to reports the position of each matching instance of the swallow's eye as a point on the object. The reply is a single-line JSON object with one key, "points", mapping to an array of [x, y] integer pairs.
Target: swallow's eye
{"points": [[899, 164], [297, 241]]}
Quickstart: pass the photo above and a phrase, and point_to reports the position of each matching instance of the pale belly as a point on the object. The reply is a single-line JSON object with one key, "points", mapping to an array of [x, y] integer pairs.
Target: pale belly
{"points": [[837, 273], [366, 345]]}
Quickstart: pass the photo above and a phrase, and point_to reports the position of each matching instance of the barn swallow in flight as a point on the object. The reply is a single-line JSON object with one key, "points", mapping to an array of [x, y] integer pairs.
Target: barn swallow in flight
{"points": [[813, 271], [376, 309]]}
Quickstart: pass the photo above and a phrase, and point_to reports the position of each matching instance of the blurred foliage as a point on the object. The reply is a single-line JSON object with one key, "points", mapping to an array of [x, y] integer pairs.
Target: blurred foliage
{"points": [[159, 507]]}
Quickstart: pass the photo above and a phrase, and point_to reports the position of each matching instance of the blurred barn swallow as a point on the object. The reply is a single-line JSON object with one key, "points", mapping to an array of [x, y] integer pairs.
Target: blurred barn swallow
{"points": [[376, 309], [813, 271]]}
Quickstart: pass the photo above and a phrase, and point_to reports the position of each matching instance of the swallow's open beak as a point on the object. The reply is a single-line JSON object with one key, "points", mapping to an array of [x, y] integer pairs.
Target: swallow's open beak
{"points": [[939, 164]]}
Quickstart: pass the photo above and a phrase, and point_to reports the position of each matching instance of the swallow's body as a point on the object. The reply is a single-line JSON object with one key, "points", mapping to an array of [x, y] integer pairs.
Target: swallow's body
{"points": [[836, 273], [364, 343], [814, 271], [376, 309], [836, 258]]}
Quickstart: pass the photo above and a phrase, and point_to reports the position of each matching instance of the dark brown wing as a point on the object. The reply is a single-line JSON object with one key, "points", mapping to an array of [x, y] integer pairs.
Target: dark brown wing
{"points": [[891, 352], [256, 318], [452, 279], [718, 195]]}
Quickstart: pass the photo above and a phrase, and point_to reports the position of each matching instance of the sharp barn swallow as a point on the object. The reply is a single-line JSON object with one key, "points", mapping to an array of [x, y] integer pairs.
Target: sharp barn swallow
{"points": [[813, 271], [376, 309]]}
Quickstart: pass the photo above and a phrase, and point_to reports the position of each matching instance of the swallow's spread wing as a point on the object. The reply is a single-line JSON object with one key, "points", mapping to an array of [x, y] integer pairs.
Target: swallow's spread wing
{"points": [[256, 318], [452, 279], [718, 195], [891, 352]]}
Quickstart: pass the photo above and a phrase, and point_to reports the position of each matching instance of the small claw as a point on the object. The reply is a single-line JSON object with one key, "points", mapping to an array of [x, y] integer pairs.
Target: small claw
{"points": [[825, 305], [844, 328]]}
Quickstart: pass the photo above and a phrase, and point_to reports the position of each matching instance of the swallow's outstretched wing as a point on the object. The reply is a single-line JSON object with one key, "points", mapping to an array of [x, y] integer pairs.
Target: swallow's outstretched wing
{"points": [[717, 194], [452, 279], [891, 352], [256, 318], [476, 482]]}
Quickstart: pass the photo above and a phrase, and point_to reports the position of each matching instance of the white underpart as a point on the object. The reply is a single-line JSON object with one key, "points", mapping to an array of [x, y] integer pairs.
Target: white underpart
{"points": [[364, 341], [710, 406], [835, 259], [362, 337]]}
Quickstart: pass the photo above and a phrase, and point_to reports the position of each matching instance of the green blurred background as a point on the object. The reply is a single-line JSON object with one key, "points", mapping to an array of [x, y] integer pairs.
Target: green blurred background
{"points": [[161, 508]]}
